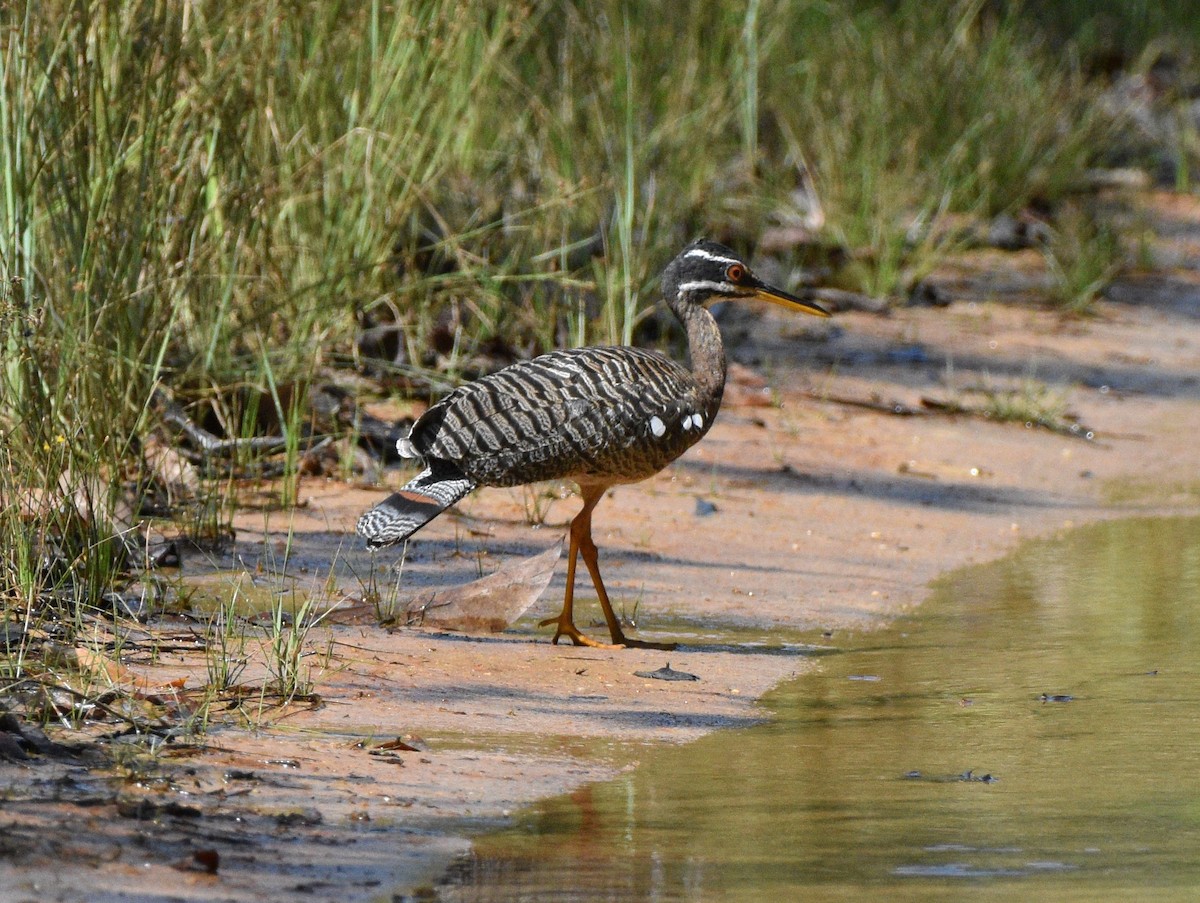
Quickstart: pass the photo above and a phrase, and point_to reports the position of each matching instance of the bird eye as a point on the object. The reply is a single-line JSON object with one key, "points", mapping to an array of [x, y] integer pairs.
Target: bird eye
{"points": [[735, 272]]}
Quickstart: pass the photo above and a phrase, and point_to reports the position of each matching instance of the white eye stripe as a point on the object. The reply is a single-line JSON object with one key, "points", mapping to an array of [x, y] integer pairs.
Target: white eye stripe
{"points": [[727, 287], [708, 255]]}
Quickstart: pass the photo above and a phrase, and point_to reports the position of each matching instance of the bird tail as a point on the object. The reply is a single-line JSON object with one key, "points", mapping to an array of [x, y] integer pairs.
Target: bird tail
{"points": [[418, 502]]}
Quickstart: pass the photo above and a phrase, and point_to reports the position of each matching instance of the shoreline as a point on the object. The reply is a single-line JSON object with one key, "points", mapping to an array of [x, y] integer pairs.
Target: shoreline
{"points": [[827, 517]]}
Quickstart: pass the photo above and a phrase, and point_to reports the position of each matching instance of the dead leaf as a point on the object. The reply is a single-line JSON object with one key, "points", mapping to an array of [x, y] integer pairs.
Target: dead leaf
{"points": [[356, 613], [84, 660], [169, 466], [666, 673], [206, 861], [397, 744], [489, 604]]}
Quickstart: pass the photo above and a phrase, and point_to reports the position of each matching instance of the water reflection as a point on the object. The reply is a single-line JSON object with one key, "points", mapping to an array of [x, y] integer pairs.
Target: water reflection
{"points": [[1034, 732]]}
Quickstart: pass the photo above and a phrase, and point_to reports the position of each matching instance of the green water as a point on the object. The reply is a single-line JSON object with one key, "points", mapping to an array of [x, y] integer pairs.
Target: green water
{"points": [[923, 763]]}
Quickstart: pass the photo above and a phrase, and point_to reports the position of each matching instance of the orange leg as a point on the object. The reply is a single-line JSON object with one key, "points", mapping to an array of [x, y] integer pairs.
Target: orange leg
{"points": [[581, 542], [581, 527]]}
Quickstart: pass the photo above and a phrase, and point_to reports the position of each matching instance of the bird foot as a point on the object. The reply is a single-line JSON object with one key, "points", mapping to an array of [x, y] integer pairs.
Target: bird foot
{"points": [[568, 629]]}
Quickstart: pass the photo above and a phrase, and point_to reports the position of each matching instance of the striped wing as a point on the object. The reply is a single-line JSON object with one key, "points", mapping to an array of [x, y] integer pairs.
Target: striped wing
{"points": [[612, 413]]}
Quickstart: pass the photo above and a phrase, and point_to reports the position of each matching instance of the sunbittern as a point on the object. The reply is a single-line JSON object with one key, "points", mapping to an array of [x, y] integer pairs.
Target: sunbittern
{"points": [[599, 416]]}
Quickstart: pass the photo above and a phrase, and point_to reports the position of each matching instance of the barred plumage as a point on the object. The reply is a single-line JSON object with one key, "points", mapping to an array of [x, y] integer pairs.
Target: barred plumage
{"points": [[584, 413], [599, 416], [418, 502]]}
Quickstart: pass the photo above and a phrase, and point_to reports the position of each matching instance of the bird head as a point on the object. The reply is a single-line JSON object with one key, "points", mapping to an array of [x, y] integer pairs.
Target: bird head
{"points": [[708, 271]]}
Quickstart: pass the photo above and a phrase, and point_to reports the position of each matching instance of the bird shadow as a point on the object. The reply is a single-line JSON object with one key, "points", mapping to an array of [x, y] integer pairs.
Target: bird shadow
{"points": [[956, 496]]}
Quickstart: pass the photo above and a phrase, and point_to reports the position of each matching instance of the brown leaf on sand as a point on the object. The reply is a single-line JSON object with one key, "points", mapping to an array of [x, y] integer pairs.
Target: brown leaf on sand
{"points": [[489, 604], [84, 660], [169, 466], [666, 673], [402, 745], [354, 612]]}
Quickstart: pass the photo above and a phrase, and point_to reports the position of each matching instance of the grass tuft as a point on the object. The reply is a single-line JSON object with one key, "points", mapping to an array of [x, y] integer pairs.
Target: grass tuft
{"points": [[1083, 257]]}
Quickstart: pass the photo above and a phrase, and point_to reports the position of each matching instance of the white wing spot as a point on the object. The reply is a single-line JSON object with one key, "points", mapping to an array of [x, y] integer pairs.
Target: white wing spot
{"points": [[657, 426], [406, 449], [698, 421]]}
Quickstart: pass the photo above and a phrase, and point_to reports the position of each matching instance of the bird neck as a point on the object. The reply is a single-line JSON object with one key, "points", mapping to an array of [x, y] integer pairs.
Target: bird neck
{"points": [[706, 353]]}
